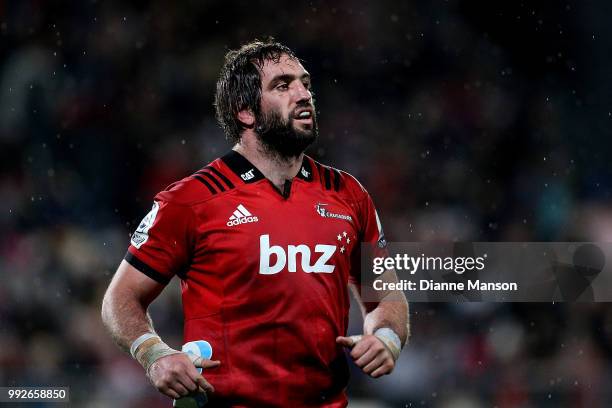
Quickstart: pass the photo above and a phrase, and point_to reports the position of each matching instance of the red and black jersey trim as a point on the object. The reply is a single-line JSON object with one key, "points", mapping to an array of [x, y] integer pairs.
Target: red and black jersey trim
{"points": [[213, 179], [146, 269], [220, 175], [329, 177], [206, 183]]}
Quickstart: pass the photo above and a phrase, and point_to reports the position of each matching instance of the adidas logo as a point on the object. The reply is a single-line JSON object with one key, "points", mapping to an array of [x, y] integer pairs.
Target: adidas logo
{"points": [[241, 216]]}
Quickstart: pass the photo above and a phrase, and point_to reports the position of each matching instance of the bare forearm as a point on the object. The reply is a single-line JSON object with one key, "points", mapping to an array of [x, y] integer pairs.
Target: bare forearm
{"points": [[392, 314], [389, 310], [125, 318]]}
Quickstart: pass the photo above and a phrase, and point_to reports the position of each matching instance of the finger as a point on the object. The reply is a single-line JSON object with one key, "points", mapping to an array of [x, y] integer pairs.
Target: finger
{"points": [[366, 358], [187, 382], [383, 370], [374, 364], [179, 388], [349, 341], [205, 385], [361, 348], [195, 376], [205, 363], [344, 341], [171, 393], [202, 384]]}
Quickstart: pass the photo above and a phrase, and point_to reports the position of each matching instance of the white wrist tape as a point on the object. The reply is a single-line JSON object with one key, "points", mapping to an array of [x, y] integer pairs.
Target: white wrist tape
{"points": [[149, 348], [141, 340], [391, 340]]}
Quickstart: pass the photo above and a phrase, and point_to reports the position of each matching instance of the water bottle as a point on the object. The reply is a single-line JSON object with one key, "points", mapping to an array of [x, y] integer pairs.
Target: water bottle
{"points": [[200, 348]]}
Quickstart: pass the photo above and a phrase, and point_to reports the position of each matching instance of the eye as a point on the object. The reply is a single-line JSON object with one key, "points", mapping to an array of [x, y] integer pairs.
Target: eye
{"points": [[306, 85], [282, 86]]}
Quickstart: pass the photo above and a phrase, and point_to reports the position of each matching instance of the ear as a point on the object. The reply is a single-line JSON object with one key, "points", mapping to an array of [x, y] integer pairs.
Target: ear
{"points": [[246, 117]]}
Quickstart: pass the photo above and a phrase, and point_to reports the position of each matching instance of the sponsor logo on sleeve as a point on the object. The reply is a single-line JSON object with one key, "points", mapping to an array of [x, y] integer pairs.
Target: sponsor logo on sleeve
{"points": [[141, 235], [382, 242]]}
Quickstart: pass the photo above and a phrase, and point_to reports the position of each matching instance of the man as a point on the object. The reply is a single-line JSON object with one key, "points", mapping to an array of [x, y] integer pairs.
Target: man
{"points": [[266, 242]]}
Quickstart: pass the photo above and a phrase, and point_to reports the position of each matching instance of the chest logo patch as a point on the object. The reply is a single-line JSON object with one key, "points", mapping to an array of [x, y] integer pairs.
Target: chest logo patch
{"points": [[325, 213]]}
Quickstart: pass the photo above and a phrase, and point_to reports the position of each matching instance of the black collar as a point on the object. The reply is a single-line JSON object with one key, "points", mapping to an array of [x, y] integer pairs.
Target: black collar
{"points": [[242, 167], [305, 172], [250, 174]]}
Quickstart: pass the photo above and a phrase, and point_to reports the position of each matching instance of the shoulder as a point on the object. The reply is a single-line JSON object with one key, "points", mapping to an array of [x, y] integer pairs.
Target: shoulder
{"points": [[207, 183], [338, 180]]}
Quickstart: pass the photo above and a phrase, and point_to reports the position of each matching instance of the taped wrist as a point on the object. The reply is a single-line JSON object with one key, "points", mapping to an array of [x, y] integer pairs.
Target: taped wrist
{"points": [[149, 348], [391, 340]]}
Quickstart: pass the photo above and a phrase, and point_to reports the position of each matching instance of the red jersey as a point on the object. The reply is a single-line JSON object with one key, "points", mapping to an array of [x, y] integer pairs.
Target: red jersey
{"points": [[264, 275]]}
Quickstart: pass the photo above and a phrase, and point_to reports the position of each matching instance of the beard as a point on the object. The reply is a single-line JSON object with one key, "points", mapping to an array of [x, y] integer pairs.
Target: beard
{"points": [[280, 137]]}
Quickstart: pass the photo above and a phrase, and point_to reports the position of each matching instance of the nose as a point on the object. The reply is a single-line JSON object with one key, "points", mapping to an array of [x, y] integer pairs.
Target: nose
{"points": [[303, 94]]}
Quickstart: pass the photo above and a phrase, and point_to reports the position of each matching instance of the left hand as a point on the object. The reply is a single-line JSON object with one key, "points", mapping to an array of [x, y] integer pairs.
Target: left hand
{"points": [[369, 353]]}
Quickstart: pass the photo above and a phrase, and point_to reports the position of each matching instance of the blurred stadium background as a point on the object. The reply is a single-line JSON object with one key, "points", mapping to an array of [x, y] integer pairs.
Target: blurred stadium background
{"points": [[466, 121]]}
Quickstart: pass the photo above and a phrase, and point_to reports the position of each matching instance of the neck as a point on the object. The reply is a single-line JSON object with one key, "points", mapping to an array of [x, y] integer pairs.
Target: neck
{"points": [[275, 168]]}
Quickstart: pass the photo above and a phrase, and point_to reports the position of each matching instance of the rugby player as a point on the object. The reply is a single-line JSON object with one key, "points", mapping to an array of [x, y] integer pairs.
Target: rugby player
{"points": [[266, 243]]}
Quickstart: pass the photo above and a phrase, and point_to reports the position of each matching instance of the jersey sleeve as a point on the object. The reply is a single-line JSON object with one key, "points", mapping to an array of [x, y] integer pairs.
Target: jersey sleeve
{"points": [[371, 234], [161, 245]]}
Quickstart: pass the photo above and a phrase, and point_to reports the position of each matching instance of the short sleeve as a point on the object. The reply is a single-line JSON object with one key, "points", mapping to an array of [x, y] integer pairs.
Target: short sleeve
{"points": [[161, 245], [372, 228], [371, 234]]}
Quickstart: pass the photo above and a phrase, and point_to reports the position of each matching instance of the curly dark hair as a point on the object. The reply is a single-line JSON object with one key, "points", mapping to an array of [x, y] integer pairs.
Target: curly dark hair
{"points": [[239, 83]]}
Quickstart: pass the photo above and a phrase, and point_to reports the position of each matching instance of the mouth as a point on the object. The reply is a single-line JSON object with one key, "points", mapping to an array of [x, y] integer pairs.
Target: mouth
{"points": [[304, 115]]}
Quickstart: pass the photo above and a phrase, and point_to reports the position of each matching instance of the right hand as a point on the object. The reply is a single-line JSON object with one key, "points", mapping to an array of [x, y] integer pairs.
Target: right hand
{"points": [[176, 375], [369, 353]]}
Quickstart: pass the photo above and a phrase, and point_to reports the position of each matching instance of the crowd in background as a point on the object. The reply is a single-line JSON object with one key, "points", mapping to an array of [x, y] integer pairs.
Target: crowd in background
{"points": [[465, 122]]}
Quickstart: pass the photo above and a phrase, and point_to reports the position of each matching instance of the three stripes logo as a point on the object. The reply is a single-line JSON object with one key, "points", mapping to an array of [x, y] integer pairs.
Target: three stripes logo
{"points": [[241, 216]]}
